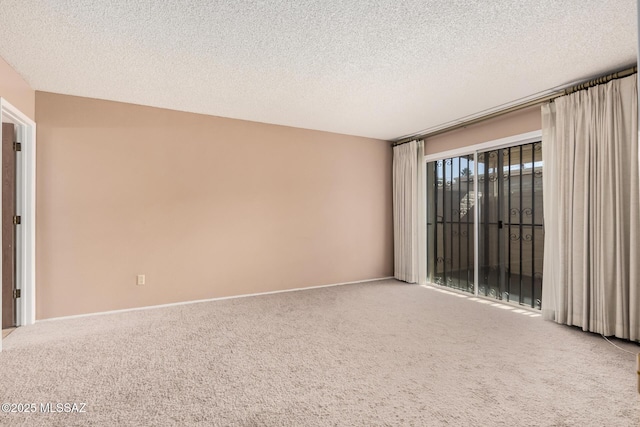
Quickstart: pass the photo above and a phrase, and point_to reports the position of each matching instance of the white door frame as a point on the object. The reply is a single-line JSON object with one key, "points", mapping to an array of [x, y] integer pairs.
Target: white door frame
{"points": [[26, 209]]}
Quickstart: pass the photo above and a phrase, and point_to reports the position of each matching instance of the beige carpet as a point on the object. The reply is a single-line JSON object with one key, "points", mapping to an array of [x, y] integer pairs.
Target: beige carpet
{"points": [[375, 354]]}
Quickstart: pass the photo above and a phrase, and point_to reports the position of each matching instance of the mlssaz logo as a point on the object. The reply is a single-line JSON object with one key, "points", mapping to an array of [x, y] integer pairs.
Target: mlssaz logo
{"points": [[63, 407]]}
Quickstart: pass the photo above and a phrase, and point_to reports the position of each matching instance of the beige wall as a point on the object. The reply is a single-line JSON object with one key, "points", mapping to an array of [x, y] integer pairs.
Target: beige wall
{"points": [[204, 206], [16, 90], [526, 120]]}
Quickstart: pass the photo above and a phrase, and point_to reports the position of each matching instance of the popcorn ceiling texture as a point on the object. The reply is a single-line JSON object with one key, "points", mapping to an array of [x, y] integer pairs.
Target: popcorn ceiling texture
{"points": [[375, 354], [379, 69]]}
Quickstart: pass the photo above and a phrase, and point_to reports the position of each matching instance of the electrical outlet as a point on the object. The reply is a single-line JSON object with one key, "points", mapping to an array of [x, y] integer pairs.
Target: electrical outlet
{"points": [[140, 280]]}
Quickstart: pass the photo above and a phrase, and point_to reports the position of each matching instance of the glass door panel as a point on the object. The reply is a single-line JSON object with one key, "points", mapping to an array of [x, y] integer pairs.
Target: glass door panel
{"points": [[450, 219], [511, 235]]}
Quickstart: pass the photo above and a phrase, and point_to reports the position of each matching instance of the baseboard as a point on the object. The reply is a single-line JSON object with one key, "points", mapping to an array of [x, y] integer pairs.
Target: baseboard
{"points": [[151, 307]]}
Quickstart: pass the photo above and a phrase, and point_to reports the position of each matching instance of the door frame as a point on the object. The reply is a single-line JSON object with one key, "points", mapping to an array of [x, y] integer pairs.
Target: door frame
{"points": [[523, 138], [26, 208]]}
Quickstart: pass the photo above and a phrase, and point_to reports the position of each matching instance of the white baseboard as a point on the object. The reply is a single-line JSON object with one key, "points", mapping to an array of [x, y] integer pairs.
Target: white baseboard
{"points": [[150, 307]]}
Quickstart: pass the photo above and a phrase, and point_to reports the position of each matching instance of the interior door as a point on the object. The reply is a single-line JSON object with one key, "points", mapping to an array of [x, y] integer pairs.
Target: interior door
{"points": [[8, 226]]}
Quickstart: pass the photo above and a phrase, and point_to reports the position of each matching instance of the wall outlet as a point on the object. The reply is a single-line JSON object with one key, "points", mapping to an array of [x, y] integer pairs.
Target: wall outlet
{"points": [[140, 280]]}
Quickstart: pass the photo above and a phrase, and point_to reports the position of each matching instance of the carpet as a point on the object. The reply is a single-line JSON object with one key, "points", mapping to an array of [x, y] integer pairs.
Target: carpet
{"points": [[373, 354]]}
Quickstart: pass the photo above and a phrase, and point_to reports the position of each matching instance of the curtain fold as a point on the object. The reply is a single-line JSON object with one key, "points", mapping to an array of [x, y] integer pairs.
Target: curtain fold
{"points": [[409, 229], [592, 210]]}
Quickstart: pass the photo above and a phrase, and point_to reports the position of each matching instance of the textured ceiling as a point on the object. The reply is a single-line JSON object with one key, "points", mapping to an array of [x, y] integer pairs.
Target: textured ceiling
{"points": [[383, 69]]}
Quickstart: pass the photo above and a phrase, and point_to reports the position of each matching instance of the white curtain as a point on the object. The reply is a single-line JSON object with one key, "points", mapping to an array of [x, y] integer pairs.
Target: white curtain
{"points": [[409, 226], [592, 210]]}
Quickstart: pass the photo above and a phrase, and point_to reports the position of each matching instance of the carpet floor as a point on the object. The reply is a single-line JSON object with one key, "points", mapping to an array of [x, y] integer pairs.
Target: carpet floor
{"points": [[373, 354]]}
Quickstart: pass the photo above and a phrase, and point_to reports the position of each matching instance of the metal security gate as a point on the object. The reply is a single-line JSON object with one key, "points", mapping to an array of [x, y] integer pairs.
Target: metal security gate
{"points": [[511, 233], [509, 223], [450, 222]]}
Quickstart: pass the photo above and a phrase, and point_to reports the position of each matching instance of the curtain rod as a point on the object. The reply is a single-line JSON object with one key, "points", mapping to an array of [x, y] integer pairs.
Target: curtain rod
{"points": [[537, 101]]}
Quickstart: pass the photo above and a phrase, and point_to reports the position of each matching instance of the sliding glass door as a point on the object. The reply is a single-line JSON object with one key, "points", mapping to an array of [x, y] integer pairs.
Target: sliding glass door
{"points": [[509, 224]]}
